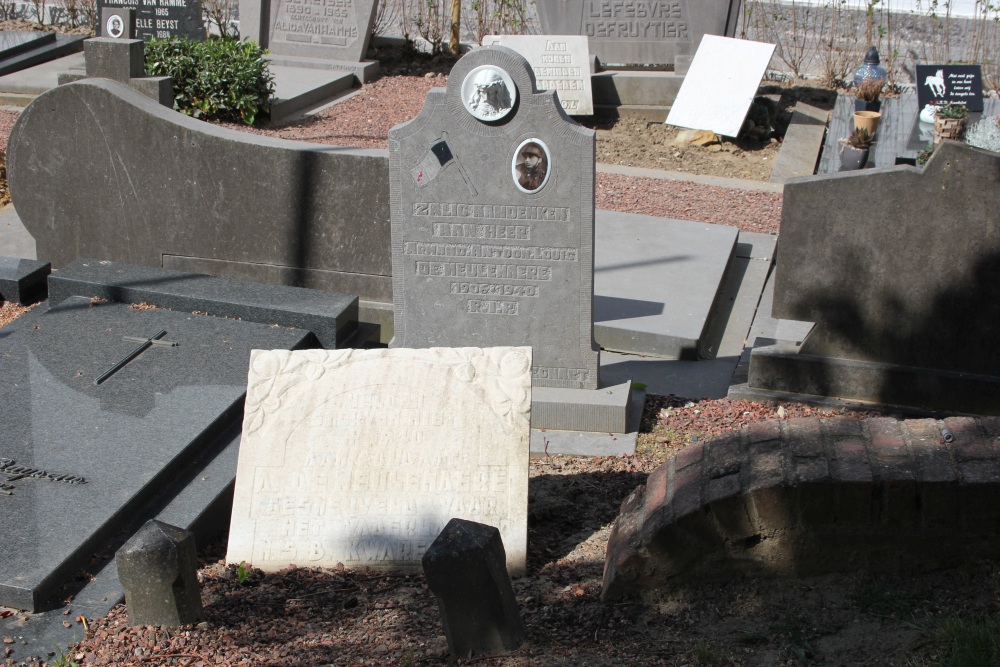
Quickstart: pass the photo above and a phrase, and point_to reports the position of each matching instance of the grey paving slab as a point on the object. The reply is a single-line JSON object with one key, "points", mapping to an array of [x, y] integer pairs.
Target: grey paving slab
{"points": [[125, 437], [39, 78], [298, 88], [639, 262]]}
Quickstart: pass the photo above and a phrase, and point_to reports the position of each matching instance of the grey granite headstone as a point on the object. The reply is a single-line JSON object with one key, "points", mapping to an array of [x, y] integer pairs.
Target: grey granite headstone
{"points": [[492, 200], [899, 268], [80, 459], [118, 23], [158, 568], [123, 60], [465, 570], [640, 32], [157, 18]]}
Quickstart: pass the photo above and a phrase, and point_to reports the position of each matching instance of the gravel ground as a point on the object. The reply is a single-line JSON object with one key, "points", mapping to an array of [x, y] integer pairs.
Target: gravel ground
{"points": [[336, 617]]}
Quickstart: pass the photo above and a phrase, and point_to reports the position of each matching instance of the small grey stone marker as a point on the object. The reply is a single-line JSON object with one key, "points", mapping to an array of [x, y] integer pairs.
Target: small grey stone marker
{"points": [[157, 568], [465, 569]]}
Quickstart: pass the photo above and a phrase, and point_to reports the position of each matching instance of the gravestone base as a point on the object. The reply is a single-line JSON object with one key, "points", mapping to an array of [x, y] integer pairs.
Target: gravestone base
{"points": [[23, 280], [364, 71], [635, 93], [603, 410], [782, 371]]}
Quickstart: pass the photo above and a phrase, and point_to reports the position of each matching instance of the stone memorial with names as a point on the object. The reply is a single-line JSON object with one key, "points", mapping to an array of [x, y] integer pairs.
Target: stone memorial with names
{"points": [[639, 32], [958, 84], [80, 458], [561, 63], [161, 19], [362, 457], [492, 202]]}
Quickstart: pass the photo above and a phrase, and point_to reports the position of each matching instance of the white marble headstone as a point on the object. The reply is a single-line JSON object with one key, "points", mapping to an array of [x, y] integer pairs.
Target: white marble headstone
{"points": [[720, 85], [561, 63], [361, 457]]}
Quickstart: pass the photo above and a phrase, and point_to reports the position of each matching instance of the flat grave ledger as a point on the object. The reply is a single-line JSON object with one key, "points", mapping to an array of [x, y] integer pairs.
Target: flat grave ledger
{"points": [[161, 19], [639, 32], [361, 457], [492, 204], [104, 405], [561, 63]]}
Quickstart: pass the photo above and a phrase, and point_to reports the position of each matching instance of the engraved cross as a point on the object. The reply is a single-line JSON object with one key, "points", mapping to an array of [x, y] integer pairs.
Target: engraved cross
{"points": [[156, 340]]}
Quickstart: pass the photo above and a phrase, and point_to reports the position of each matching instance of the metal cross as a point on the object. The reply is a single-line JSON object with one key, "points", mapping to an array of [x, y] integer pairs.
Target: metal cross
{"points": [[144, 344]]}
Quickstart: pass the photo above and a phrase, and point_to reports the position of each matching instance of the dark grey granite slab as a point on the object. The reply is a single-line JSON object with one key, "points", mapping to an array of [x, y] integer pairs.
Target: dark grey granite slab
{"points": [[62, 45], [13, 42], [127, 437], [485, 253], [332, 317], [22, 280], [159, 19]]}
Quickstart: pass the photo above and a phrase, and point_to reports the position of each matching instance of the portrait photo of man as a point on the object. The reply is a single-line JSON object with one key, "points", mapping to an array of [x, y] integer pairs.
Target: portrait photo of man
{"points": [[531, 165]]}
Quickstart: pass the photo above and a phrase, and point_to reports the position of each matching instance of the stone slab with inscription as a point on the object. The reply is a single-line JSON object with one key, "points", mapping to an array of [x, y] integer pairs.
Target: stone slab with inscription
{"points": [[721, 84], [561, 63], [161, 19], [80, 459], [492, 202], [361, 457], [639, 32]]}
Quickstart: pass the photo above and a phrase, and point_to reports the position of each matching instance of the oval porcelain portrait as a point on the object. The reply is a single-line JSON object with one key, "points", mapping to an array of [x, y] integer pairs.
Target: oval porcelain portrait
{"points": [[488, 93], [531, 165]]}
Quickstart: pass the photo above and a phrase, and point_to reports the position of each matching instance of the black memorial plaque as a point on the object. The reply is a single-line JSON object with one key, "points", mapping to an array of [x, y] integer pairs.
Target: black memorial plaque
{"points": [[160, 18], [961, 84]]}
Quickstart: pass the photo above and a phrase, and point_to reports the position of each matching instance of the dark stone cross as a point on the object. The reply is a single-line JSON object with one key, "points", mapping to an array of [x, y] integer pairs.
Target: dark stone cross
{"points": [[144, 344]]}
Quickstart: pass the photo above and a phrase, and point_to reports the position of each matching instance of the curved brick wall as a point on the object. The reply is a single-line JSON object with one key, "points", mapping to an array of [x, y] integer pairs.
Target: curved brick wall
{"points": [[810, 496]]}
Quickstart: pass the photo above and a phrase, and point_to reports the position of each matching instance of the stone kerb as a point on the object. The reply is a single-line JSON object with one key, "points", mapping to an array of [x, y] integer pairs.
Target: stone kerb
{"points": [[811, 496], [145, 185], [492, 200]]}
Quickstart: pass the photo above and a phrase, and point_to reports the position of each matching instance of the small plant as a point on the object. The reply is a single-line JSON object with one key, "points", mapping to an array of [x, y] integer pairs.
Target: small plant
{"points": [[859, 139], [242, 573], [62, 660], [952, 110], [925, 155], [218, 79], [870, 90], [985, 134], [970, 643]]}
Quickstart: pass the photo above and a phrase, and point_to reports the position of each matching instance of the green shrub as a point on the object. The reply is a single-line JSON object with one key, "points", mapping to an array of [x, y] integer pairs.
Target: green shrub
{"points": [[218, 79]]}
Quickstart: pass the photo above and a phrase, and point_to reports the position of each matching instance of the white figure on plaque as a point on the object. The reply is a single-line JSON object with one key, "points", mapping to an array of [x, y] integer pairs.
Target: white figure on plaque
{"points": [[487, 93]]}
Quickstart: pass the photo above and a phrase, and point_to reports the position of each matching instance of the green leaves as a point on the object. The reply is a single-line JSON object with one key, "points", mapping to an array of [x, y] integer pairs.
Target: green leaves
{"points": [[218, 79]]}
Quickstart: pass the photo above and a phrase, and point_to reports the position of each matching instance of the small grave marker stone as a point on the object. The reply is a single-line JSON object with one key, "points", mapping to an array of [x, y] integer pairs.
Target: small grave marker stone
{"points": [[361, 457], [492, 201], [561, 63]]}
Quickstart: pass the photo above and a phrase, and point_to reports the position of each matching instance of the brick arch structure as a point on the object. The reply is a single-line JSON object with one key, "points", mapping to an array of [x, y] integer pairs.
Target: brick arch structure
{"points": [[810, 496]]}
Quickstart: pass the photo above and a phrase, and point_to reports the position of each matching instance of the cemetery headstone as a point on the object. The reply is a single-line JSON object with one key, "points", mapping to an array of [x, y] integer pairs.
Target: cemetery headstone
{"points": [[465, 569], [639, 32], [80, 458], [122, 60], [361, 457], [940, 84], [721, 84], [161, 19], [492, 201], [907, 323], [118, 23], [158, 567], [561, 63]]}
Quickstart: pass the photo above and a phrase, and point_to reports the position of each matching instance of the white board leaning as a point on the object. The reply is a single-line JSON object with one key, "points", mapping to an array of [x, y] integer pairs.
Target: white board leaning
{"points": [[361, 457], [720, 85]]}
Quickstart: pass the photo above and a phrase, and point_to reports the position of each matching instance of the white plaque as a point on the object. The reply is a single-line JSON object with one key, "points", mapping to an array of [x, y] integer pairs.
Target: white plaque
{"points": [[720, 85], [561, 63], [361, 457]]}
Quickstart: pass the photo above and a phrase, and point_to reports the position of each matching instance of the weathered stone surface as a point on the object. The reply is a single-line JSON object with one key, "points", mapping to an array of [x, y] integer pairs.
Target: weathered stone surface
{"points": [[561, 63], [493, 221], [328, 29], [638, 32], [23, 280], [93, 454], [158, 568], [361, 457], [465, 569], [818, 503], [899, 270], [140, 184]]}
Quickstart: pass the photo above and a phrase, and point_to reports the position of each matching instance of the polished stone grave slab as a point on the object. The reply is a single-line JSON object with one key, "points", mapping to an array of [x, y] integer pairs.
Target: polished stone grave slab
{"points": [[93, 454], [22, 280], [13, 42]]}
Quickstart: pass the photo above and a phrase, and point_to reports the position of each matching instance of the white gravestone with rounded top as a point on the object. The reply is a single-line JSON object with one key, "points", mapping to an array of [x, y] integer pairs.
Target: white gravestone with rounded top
{"points": [[361, 457], [492, 202]]}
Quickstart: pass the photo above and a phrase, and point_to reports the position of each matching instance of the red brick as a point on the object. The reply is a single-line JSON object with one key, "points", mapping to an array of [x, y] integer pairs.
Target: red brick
{"points": [[971, 447], [924, 433], [688, 456], [763, 431], [854, 503], [899, 507], [723, 457], [765, 470], [656, 488], [805, 437], [722, 488], [849, 449], [939, 503], [733, 519], [850, 471], [886, 437], [843, 427], [978, 472], [806, 471], [687, 491], [962, 427]]}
